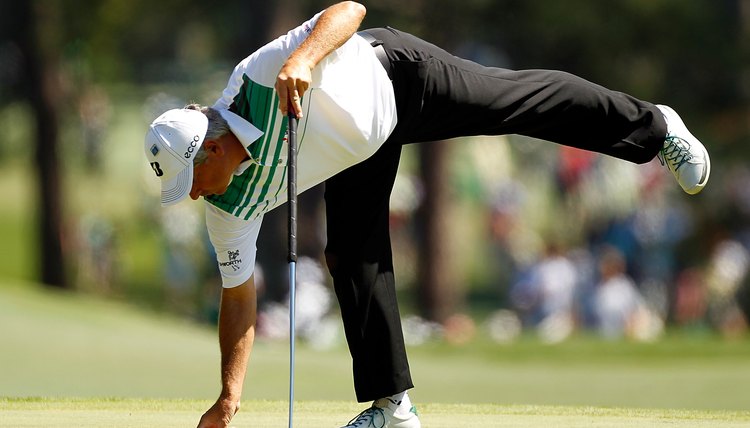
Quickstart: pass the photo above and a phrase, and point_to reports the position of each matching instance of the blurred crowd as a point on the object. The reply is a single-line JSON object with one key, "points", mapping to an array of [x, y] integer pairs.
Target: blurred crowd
{"points": [[580, 242]]}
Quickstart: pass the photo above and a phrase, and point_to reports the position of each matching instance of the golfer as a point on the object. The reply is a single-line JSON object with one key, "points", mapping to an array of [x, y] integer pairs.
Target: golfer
{"points": [[360, 97]]}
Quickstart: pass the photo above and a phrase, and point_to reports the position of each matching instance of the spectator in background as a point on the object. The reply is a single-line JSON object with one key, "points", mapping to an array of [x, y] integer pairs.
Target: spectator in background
{"points": [[690, 300], [545, 295], [727, 271], [618, 306]]}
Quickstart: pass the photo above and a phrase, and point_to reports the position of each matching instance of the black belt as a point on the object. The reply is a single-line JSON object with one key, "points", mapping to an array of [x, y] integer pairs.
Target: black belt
{"points": [[377, 46]]}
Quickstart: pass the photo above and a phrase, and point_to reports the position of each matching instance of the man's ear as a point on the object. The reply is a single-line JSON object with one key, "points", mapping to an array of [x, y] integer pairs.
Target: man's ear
{"points": [[213, 147]]}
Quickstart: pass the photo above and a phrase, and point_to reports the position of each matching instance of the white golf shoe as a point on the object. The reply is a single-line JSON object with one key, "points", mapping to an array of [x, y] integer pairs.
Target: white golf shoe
{"points": [[384, 414], [683, 154]]}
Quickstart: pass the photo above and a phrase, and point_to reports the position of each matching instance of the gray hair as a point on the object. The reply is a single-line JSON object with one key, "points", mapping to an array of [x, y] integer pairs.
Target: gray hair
{"points": [[217, 128]]}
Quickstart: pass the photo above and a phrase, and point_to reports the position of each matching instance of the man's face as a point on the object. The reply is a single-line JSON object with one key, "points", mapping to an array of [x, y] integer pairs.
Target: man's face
{"points": [[212, 177]]}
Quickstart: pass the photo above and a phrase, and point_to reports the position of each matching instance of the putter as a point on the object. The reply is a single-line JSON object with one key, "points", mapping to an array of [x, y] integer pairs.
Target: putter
{"points": [[292, 201]]}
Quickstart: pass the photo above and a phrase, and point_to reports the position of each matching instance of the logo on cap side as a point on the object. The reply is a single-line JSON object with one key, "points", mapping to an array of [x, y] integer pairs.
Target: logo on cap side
{"points": [[154, 150], [191, 146], [157, 169]]}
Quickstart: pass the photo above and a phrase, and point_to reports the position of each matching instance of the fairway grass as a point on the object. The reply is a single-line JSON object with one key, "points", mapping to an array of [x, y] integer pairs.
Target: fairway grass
{"points": [[118, 413], [161, 371]]}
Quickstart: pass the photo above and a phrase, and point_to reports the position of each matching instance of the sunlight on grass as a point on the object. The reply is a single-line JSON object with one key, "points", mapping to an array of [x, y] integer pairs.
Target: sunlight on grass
{"points": [[180, 413]]}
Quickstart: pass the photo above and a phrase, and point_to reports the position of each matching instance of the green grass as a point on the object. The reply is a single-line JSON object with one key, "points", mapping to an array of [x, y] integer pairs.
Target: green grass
{"points": [[18, 226], [155, 370], [261, 414]]}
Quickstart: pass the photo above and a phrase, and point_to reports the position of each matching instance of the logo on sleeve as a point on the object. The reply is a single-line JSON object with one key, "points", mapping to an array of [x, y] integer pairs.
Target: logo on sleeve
{"points": [[234, 260]]}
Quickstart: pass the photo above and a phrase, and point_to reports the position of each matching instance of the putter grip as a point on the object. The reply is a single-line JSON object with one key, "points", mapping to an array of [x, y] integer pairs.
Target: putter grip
{"points": [[292, 185]]}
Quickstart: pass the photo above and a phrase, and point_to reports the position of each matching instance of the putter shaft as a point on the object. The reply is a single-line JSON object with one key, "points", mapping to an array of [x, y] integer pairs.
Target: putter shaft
{"points": [[292, 203]]}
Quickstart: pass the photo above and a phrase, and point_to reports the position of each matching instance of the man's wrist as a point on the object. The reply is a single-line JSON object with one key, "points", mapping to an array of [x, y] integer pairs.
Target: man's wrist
{"points": [[230, 404], [301, 59], [230, 397]]}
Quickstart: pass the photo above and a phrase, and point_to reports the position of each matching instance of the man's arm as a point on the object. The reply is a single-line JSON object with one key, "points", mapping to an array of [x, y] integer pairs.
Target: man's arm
{"points": [[236, 334], [335, 26]]}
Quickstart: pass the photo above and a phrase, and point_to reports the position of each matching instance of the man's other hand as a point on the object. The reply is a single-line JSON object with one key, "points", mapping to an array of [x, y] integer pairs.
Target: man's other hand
{"points": [[220, 414]]}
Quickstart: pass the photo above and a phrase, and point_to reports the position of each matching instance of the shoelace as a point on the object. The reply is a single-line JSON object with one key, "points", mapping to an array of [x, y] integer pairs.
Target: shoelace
{"points": [[676, 152], [368, 416]]}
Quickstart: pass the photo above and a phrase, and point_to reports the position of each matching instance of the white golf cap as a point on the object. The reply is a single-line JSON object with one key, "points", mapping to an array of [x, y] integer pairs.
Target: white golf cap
{"points": [[171, 142]]}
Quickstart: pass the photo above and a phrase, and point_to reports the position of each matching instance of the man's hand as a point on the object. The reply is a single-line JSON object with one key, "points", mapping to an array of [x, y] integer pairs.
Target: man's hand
{"points": [[292, 83], [220, 414], [335, 26]]}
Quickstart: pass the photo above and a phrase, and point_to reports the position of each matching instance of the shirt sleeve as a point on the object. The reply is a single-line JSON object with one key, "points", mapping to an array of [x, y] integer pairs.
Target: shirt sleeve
{"points": [[263, 65], [234, 241]]}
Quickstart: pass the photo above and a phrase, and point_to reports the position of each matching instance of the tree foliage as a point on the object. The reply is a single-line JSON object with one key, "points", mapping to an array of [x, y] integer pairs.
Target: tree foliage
{"points": [[691, 54]]}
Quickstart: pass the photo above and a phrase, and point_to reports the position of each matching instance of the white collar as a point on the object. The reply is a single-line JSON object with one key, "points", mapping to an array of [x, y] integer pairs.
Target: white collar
{"points": [[245, 132]]}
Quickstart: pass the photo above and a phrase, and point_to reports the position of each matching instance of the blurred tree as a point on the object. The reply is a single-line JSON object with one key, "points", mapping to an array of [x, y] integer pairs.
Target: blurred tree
{"points": [[438, 286], [36, 38], [437, 283]]}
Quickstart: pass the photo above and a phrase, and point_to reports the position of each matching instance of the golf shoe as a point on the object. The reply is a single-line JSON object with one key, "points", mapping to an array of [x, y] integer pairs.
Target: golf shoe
{"points": [[683, 154], [384, 414]]}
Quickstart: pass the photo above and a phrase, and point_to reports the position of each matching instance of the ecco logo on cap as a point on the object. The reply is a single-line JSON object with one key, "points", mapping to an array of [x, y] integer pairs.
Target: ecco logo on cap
{"points": [[191, 147]]}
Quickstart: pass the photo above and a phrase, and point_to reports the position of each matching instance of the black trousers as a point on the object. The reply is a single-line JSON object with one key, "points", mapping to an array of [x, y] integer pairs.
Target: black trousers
{"points": [[440, 96]]}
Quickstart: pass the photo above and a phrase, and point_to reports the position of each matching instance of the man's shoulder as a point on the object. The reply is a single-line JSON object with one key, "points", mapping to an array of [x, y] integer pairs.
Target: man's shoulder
{"points": [[252, 98], [264, 64]]}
